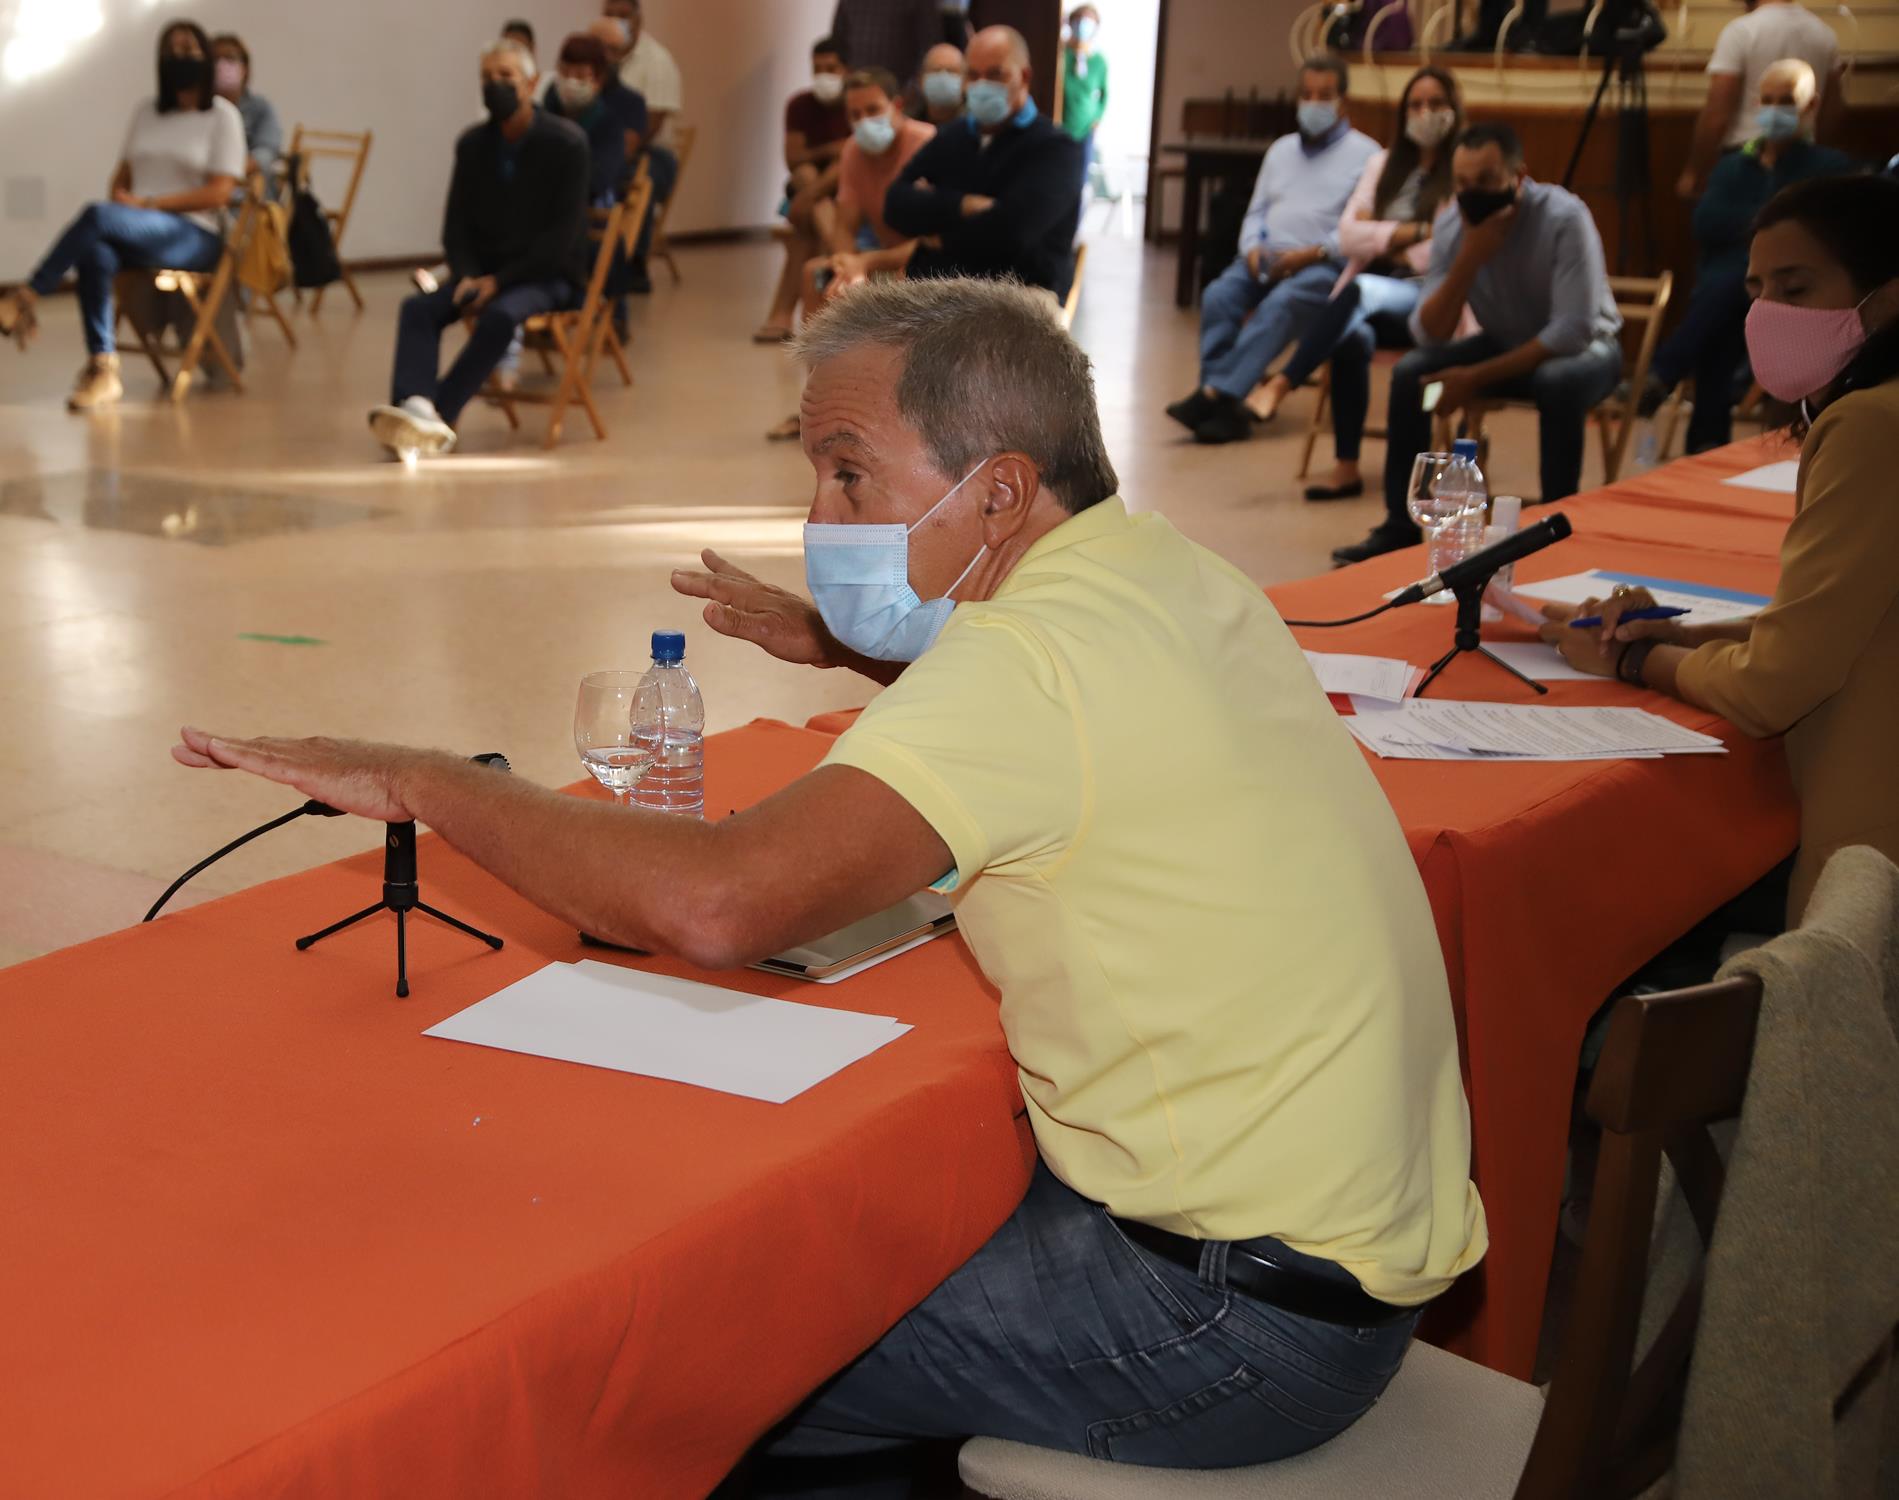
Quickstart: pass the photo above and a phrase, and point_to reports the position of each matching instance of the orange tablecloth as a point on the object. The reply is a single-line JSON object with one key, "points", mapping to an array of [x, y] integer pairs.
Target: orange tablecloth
{"points": [[1535, 936], [259, 1236]]}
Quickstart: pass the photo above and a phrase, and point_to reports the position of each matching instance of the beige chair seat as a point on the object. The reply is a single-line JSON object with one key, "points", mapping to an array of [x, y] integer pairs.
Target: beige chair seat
{"points": [[1445, 1429]]}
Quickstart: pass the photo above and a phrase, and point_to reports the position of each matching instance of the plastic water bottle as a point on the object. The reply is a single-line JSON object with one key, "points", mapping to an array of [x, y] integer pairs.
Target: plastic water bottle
{"points": [[1458, 501], [669, 721]]}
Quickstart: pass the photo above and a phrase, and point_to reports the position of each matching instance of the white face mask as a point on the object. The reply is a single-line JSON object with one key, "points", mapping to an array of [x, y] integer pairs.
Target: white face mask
{"points": [[576, 93], [829, 87], [1429, 127]]}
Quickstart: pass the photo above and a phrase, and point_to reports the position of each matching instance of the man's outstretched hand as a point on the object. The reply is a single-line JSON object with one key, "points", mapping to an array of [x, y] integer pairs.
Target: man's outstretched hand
{"points": [[350, 775], [785, 624]]}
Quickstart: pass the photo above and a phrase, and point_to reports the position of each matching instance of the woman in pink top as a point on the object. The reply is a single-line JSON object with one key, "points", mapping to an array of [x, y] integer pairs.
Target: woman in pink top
{"points": [[1385, 234]]}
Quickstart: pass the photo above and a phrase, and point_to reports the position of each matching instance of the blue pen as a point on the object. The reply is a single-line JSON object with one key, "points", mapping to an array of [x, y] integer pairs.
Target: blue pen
{"points": [[1658, 612]]}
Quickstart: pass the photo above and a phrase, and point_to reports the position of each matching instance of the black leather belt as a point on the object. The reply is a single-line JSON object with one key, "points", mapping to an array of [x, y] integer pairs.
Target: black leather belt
{"points": [[1259, 1274]]}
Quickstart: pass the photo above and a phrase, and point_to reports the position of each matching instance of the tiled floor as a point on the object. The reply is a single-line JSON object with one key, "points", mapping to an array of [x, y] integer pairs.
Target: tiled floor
{"points": [[250, 563]]}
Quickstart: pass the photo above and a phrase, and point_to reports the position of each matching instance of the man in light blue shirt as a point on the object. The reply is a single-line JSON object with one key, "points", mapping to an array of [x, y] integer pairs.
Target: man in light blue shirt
{"points": [[1288, 261], [1525, 259]]}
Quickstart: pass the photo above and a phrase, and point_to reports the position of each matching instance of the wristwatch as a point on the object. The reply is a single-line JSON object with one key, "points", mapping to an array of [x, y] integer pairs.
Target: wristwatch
{"points": [[1634, 657]]}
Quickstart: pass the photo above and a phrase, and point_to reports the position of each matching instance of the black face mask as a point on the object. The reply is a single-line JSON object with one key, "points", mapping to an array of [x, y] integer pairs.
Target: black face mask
{"points": [[500, 100], [1478, 204], [176, 75]]}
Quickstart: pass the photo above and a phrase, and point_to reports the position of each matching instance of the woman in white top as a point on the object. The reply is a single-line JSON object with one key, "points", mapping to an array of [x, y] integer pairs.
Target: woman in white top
{"points": [[1385, 234], [184, 155]]}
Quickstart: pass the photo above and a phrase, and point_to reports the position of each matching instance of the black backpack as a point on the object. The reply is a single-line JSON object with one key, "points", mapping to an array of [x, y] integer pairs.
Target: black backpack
{"points": [[312, 247]]}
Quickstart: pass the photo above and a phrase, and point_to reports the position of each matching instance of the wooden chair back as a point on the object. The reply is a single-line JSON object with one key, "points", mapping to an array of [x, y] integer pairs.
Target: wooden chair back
{"points": [[308, 145], [1073, 299], [1672, 1065], [205, 293], [684, 138]]}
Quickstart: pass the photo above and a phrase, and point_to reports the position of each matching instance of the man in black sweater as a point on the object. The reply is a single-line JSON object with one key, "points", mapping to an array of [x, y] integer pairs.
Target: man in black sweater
{"points": [[515, 233], [997, 192]]}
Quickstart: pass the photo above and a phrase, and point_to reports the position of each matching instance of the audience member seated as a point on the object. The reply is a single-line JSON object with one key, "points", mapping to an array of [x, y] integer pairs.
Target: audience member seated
{"points": [[623, 103], [183, 159], [522, 34], [1385, 235], [1708, 344], [1222, 986], [577, 93], [995, 194], [817, 128], [1819, 663], [939, 92], [888, 34], [1525, 260], [515, 231], [1747, 47], [231, 77], [1288, 261], [648, 69]]}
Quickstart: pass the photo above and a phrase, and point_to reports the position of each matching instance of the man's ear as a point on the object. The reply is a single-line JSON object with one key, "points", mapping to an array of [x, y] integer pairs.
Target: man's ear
{"points": [[1013, 485]]}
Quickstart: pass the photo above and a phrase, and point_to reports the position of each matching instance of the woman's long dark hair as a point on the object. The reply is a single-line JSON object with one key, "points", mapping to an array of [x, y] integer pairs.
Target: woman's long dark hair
{"points": [[1401, 160], [1856, 219], [168, 97]]}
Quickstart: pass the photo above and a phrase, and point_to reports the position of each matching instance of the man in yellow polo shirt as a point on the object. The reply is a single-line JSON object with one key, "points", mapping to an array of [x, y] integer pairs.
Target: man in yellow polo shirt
{"points": [[1220, 979]]}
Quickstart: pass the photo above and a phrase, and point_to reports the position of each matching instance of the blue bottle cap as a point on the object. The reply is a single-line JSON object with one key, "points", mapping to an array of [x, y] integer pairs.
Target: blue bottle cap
{"points": [[1464, 448], [669, 646]]}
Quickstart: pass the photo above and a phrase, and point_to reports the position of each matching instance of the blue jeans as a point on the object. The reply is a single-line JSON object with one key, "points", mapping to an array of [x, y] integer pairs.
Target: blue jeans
{"points": [[109, 237], [419, 341], [1062, 1333], [1565, 390], [1347, 330], [1710, 343], [1236, 351]]}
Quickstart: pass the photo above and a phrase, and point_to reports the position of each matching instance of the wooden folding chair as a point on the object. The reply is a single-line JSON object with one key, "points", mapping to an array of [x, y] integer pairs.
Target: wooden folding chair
{"points": [[1643, 302], [306, 146], [683, 139], [1681, 402], [204, 293], [641, 188], [1073, 299], [578, 334]]}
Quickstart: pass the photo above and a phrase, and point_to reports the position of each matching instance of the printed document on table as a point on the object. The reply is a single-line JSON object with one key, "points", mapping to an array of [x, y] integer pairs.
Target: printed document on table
{"points": [[1382, 677], [1703, 601], [1438, 730], [652, 1024], [1776, 479]]}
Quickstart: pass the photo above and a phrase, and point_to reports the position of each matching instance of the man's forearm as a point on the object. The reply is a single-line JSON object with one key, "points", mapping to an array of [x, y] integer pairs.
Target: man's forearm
{"points": [[1441, 312], [1706, 143], [1512, 365]]}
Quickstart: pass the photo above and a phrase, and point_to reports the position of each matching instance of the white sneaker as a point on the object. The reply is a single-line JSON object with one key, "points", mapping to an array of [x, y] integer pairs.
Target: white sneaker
{"points": [[415, 427]]}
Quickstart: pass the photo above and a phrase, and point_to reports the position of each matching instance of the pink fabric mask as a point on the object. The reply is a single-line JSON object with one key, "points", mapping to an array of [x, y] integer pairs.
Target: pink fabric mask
{"points": [[1798, 351]]}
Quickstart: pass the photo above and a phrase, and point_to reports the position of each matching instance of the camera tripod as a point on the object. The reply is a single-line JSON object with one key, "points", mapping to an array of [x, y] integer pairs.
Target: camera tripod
{"points": [[1624, 65]]}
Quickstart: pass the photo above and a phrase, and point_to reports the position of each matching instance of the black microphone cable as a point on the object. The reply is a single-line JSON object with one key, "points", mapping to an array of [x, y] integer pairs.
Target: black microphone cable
{"points": [[1330, 624]]}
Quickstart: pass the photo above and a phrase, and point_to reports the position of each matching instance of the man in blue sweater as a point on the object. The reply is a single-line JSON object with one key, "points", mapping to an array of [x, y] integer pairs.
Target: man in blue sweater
{"points": [[997, 193], [1288, 261]]}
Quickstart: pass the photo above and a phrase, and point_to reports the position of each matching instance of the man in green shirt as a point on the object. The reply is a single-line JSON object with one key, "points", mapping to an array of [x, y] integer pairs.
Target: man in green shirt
{"points": [[1084, 84]]}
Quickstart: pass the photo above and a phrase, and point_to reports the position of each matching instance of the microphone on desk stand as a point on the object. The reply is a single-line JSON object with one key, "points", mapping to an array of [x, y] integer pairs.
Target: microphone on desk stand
{"points": [[1467, 579], [401, 891]]}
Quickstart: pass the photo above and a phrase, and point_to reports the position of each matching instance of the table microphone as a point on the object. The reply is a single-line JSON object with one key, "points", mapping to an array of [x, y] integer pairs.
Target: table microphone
{"points": [[1479, 567]]}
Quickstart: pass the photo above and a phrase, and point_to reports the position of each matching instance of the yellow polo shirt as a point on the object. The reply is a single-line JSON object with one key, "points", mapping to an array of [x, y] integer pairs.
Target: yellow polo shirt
{"points": [[1220, 978]]}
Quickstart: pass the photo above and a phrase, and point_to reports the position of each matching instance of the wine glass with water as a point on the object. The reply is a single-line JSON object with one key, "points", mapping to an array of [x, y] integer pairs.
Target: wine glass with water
{"points": [[603, 732], [1437, 515]]}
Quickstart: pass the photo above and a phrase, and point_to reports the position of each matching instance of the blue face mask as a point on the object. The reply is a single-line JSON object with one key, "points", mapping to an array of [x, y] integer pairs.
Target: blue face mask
{"points": [[874, 133], [1777, 122], [943, 89], [1085, 30], [859, 577], [989, 102], [1317, 116]]}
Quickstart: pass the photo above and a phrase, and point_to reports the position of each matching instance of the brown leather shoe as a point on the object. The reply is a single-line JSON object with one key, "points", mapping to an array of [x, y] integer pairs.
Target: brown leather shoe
{"points": [[19, 317], [98, 384]]}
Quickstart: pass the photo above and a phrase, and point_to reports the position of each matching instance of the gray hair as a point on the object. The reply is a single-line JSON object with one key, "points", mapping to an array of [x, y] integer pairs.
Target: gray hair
{"points": [[987, 369], [522, 58]]}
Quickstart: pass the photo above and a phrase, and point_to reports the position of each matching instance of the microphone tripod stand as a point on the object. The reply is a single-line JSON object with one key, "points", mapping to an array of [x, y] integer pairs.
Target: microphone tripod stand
{"points": [[1470, 614], [401, 894]]}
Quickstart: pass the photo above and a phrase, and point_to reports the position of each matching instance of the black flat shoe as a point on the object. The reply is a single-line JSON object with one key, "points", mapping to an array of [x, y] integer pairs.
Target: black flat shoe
{"points": [[1376, 545], [1336, 491], [1192, 410]]}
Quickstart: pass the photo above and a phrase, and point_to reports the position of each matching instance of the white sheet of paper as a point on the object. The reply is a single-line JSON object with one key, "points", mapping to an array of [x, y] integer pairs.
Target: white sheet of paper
{"points": [[1574, 588], [1383, 677], [1536, 661], [1775, 478], [1426, 729], [652, 1024]]}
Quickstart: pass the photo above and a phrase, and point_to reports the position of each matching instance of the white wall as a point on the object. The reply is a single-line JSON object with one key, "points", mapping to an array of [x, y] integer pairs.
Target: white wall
{"points": [[71, 71]]}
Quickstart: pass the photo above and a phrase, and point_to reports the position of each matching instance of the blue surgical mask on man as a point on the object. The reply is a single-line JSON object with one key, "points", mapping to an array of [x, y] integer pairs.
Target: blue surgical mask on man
{"points": [[989, 102], [859, 577], [1777, 122], [1316, 117], [874, 134], [943, 88]]}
